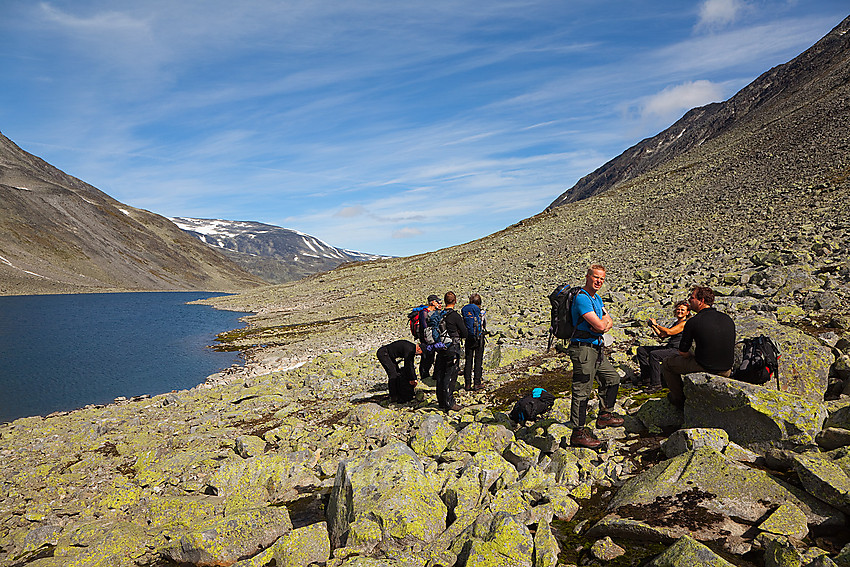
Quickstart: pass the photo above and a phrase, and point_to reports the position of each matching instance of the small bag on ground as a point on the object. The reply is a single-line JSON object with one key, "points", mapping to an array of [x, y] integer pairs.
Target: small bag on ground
{"points": [[529, 408]]}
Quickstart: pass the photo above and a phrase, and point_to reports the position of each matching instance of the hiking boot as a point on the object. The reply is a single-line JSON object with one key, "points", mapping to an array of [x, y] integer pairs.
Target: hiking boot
{"points": [[608, 419], [653, 389], [456, 407], [584, 437], [478, 387]]}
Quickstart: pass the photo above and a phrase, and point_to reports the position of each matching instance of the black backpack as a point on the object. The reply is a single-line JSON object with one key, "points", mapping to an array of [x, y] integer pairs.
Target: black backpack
{"points": [[561, 318], [539, 401], [759, 361]]}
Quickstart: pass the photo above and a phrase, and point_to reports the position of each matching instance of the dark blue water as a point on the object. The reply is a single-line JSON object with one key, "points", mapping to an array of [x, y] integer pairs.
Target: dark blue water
{"points": [[62, 352]]}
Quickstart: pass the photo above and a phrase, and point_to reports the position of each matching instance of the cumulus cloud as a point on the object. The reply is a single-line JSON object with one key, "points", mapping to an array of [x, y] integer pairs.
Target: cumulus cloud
{"points": [[715, 14], [350, 212], [406, 232], [674, 101]]}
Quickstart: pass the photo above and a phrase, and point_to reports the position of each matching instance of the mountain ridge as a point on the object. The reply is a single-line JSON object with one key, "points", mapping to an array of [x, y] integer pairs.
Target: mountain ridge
{"points": [[703, 123], [59, 234], [274, 253]]}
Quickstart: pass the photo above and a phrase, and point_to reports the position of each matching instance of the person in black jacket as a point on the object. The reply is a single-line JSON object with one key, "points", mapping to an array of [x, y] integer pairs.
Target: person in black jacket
{"points": [[446, 364], [712, 334], [401, 379]]}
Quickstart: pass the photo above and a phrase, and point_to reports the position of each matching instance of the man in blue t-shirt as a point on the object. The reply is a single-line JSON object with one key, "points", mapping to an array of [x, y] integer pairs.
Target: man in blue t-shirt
{"points": [[591, 321]]}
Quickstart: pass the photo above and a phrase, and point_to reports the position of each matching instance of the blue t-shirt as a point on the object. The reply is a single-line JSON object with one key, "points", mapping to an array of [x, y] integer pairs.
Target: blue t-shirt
{"points": [[584, 303]]}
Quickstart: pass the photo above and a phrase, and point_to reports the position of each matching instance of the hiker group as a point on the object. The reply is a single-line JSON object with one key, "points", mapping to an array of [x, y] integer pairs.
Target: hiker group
{"points": [[438, 330], [699, 339]]}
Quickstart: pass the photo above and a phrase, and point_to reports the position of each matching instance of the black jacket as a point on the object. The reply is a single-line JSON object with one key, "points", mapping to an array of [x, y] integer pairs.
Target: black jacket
{"points": [[455, 325]]}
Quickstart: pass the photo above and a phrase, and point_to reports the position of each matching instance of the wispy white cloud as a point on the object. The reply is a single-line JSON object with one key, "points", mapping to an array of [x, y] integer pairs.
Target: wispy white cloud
{"points": [[669, 104], [362, 122], [715, 14]]}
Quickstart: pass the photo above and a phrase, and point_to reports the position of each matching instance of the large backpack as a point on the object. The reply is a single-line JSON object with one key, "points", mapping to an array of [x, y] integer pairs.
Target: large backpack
{"points": [[439, 334], [473, 317], [759, 361], [561, 318], [531, 406], [419, 325]]}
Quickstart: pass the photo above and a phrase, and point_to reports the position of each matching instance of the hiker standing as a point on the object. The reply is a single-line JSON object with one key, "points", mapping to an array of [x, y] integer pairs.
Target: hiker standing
{"points": [[473, 317], [712, 334], [446, 363], [591, 320], [650, 357], [401, 380], [426, 360]]}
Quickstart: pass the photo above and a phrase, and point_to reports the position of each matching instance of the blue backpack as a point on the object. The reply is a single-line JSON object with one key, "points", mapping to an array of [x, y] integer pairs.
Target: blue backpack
{"points": [[437, 329], [473, 317]]}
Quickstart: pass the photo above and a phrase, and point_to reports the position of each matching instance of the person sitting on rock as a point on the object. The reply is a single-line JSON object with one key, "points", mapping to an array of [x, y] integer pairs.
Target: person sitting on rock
{"points": [[650, 357], [401, 380], [712, 334], [591, 321]]}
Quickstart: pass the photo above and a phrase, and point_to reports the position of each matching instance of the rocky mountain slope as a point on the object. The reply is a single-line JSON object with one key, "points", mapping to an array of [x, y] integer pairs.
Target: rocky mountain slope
{"points": [[59, 234], [300, 459], [273, 253], [786, 93]]}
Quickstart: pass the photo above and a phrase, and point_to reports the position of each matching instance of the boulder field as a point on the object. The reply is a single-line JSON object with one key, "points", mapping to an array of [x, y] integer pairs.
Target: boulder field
{"points": [[312, 465]]}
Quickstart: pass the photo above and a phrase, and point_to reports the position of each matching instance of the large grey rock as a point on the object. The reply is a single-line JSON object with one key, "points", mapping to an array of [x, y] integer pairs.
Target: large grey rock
{"points": [[748, 413], [687, 552], [389, 500], [685, 440], [226, 540], [824, 479], [477, 437], [432, 436], [508, 543], [804, 362], [705, 495]]}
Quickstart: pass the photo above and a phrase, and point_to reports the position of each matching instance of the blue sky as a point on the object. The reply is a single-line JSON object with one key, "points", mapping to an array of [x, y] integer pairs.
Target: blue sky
{"points": [[381, 126]]}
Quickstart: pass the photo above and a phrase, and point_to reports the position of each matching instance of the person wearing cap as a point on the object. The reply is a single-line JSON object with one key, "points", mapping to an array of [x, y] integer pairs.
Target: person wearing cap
{"points": [[591, 321], [426, 360]]}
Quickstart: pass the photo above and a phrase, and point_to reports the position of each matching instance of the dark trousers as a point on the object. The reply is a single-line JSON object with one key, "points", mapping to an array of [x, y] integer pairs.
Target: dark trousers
{"points": [[474, 362], [445, 373], [649, 359], [399, 378], [426, 361]]}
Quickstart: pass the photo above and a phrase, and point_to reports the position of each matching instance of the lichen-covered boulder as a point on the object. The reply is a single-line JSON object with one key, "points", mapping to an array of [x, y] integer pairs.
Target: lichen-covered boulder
{"points": [[787, 520], [464, 493], [804, 362], [658, 415], [606, 550], [705, 495], [508, 544], [546, 548], [261, 480], [432, 436], [376, 422], [687, 552], [477, 437], [225, 541], [565, 467], [563, 506], [685, 440], [750, 414], [301, 546], [387, 486], [824, 479], [521, 455]]}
